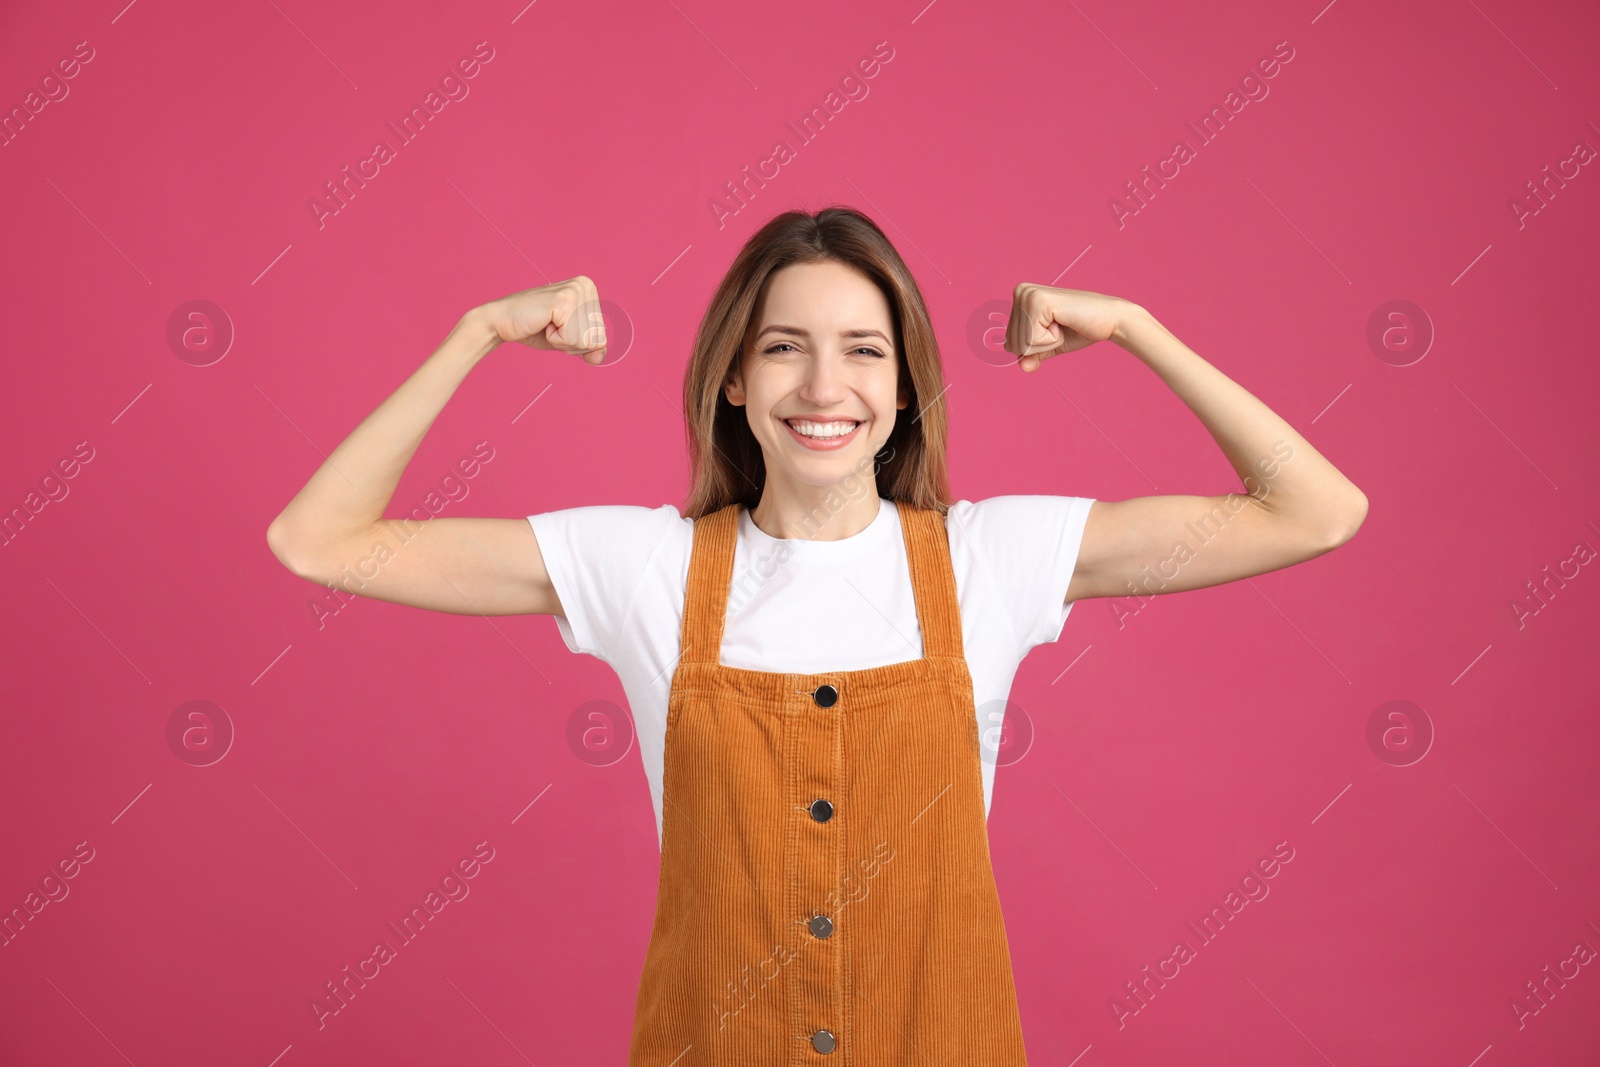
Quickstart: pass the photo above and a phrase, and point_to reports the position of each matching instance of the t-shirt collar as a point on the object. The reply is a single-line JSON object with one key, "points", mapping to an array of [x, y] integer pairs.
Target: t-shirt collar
{"points": [[883, 525]]}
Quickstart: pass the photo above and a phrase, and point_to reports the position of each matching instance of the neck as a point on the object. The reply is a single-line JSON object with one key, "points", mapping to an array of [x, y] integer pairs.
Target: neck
{"points": [[816, 513]]}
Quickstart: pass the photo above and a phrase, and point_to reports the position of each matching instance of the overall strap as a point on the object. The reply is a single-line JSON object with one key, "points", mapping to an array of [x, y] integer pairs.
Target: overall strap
{"points": [[933, 580], [933, 583], [705, 597]]}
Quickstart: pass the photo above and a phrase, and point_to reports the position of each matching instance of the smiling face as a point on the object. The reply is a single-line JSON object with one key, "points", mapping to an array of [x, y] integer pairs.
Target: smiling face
{"points": [[819, 374]]}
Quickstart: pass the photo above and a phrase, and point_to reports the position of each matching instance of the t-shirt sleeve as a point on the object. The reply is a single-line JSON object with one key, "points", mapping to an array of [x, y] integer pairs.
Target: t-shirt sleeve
{"points": [[596, 558], [1030, 547]]}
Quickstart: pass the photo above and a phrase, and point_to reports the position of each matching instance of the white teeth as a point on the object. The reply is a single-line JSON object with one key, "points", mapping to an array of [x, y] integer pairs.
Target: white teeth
{"points": [[822, 429]]}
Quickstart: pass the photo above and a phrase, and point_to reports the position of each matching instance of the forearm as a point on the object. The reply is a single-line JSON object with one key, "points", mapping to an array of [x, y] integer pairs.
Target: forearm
{"points": [[1278, 466], [350, 491]]}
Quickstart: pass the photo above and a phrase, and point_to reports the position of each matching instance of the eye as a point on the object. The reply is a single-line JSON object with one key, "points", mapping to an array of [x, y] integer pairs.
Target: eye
{"points": [[773, 348]]}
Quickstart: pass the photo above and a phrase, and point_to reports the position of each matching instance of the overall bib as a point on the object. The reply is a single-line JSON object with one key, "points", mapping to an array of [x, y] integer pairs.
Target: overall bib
{"points": [[826, 893]]}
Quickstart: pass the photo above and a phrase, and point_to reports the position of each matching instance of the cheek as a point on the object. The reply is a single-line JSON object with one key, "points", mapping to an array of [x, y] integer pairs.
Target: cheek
{"points": [[887, 398], [764, 390]]}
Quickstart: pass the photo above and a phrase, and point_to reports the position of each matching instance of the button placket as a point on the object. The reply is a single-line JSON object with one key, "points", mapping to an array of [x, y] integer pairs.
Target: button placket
{"points": [[816, 980]]}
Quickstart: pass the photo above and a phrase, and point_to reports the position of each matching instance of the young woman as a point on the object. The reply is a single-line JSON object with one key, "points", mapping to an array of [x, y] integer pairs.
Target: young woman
{"points": [[805, 649]]}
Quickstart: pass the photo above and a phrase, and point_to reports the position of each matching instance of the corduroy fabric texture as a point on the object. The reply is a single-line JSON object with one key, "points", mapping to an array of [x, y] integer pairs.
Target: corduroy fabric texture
{"points": [[916, 968]]}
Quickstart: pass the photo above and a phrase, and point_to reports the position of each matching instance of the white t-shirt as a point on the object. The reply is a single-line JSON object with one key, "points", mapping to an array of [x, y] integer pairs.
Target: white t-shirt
{"points": [[621, 571]]}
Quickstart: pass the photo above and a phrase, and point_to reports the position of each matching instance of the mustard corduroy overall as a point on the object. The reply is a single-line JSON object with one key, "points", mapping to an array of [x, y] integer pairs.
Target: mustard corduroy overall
{"points": [[826, 892]]}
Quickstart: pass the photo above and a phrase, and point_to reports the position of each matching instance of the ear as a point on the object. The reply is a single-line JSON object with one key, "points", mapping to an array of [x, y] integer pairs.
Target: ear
{"points": [[733, 385], [903, 392]]}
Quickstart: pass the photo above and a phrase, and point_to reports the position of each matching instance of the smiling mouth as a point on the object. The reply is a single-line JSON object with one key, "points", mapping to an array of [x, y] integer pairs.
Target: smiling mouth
{"points": [[822, 431], [825, 435]]}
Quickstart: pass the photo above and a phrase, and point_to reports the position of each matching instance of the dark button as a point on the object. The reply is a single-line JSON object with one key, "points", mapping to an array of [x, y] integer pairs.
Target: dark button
{"points": [[826, 696], [821, 926], [822, 1041], [821, 810]]}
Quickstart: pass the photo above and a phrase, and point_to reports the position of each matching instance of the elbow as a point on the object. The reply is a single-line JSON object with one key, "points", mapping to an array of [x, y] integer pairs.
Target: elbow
{"points": [[286, 549], [1355, 515], [278, 543]]}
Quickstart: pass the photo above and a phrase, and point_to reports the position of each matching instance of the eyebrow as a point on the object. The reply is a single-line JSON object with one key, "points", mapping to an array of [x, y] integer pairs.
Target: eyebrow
{"points": [[798, 332]]}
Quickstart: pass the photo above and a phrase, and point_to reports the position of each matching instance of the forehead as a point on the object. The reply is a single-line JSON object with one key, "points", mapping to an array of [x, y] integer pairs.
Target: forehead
{"points": [[826, 296]]}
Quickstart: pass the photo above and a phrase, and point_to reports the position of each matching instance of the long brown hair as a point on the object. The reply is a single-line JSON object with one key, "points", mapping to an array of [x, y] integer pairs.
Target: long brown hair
{"points": [[726, 465]]}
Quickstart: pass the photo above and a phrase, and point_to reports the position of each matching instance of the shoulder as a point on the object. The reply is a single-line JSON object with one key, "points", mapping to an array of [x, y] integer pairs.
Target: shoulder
{"points": [[601, 559], [612, 524], [1020, 552], [621, 538], [1008, 519]]}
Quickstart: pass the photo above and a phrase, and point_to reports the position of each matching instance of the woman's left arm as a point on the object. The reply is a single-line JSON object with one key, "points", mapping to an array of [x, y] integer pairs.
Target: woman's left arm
{"points": [[1294, 505]]}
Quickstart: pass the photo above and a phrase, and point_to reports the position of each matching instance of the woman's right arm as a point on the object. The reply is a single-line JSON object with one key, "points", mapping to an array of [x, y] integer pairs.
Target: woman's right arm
{"points": [[333, 530]]}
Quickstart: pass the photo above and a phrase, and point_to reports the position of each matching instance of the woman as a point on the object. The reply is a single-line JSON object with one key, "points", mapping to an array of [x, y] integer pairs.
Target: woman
{"points": [[805, 650]]}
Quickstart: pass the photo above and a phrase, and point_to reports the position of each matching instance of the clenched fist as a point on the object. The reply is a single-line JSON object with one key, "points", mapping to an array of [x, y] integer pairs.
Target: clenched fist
{"points": [[563, 317], [1046, 322]]}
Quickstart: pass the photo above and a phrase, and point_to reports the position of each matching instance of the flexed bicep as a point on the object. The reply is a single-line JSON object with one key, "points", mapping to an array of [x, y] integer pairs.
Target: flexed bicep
{"points": [[1167, 544], [462, 566]]}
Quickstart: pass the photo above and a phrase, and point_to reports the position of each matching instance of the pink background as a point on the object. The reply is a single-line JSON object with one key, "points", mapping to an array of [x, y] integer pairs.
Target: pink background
{"points": [[1176, 742]]}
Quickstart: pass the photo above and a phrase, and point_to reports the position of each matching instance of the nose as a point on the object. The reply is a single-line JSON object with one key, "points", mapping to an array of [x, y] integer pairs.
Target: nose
{"points": [[823, 383]]}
